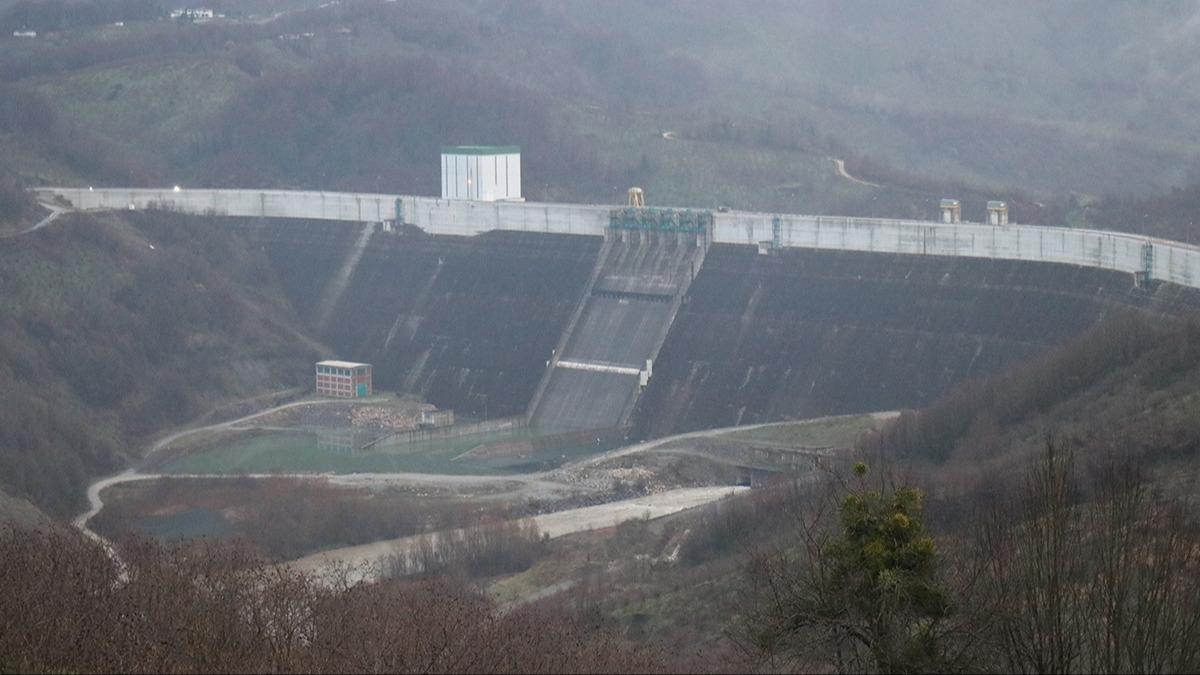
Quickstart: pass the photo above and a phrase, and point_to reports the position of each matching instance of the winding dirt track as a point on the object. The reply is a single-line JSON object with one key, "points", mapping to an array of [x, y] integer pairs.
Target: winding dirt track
{"points": [[652, 444], [840, 167], [55, 212], [539, 484], [533, 485], [132, 474], [364, 562]]}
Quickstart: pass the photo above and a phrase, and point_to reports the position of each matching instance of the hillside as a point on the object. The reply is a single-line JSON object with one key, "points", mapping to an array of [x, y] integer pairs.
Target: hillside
{"points": [[19, 514], [1122, 391], [17, 207], [1021, 93], [716, 104], [115, 327]]}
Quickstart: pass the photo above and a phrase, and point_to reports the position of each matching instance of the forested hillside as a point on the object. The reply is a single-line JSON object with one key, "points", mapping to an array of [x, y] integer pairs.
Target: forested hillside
{"points": [[706, 104], [115, 327], [365, 125], [1125, 390], [16, 205]]}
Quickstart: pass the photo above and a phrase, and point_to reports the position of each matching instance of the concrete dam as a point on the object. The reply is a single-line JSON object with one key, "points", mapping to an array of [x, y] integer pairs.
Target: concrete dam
{"points": [[520, 320]]}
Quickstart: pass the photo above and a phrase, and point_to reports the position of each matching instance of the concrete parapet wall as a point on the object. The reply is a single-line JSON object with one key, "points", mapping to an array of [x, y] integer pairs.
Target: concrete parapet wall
{"points": [[1168, 261], [1171, 261], [454, 216], [250, 203]]}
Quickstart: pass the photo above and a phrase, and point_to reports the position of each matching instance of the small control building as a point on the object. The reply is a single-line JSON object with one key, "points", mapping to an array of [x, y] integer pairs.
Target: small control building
{"points": [[997, 213], [486, 173], [951, 211], [343, 379]]}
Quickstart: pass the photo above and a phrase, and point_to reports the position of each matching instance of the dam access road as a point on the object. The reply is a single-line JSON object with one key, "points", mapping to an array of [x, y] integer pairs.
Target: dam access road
{"points": [[367, 561]]}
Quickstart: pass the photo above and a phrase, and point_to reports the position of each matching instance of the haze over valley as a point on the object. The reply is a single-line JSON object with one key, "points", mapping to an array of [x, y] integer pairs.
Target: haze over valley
{"points": [[530, 336]]}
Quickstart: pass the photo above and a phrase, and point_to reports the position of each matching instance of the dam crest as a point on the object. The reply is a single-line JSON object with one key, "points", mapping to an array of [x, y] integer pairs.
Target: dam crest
{"points": [[1150, 258]]}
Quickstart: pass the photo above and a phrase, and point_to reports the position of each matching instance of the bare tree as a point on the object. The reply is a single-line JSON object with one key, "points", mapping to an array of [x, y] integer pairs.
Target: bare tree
{"points": [[1034, 566], [216, 607], [1100, 582]]}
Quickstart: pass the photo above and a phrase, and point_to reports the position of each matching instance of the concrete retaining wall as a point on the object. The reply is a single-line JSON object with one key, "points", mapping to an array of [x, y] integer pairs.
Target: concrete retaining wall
{"points": [[1169, 261], [399, 440]]}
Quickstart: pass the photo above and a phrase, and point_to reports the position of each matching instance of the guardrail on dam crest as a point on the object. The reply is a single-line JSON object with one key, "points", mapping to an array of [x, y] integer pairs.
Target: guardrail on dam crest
{"points": [[1147, 257]]}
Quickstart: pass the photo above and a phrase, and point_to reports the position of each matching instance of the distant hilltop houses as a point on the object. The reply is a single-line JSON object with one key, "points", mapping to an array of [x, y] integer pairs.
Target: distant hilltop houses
{"points": [[196, 14]]}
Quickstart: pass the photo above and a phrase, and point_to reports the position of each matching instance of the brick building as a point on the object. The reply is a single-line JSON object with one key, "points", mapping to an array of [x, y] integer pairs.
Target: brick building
{"points": [[344, 379]]}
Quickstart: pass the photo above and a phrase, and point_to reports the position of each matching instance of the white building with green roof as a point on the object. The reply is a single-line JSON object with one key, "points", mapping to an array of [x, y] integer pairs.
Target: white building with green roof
{"points": [[486, 173]]}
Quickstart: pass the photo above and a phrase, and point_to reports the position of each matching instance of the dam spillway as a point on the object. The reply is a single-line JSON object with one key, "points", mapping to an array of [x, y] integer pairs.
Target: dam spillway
{"points": [[606, 353]]}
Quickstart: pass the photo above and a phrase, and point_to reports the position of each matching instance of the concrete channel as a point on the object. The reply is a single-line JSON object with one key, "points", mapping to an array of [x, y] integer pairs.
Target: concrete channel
{"points": [[626, 314]]}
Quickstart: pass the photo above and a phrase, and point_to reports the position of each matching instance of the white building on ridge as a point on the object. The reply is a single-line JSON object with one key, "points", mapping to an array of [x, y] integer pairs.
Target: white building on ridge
{"points": [[485, 173]]}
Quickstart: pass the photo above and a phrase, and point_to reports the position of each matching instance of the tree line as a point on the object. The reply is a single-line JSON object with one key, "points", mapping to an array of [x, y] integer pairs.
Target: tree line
{"points": [[66, 605]]}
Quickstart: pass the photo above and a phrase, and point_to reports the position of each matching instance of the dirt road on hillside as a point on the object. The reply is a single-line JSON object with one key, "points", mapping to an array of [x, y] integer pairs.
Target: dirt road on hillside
{"points": [[649, 446], [55, 212], [839, 166]]}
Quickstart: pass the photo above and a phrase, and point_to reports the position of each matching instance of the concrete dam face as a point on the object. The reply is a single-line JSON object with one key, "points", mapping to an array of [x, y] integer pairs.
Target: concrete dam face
{"points": [[810, 333], [559, 326], [466, 323]]}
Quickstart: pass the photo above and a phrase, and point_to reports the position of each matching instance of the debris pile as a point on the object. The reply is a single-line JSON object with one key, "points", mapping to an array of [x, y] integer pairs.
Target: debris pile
{"points": [[375, 417]]}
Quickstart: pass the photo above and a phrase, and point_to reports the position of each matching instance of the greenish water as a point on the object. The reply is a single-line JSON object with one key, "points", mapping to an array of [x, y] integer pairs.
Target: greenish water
{"points": [[190, 524], [304, 452]]}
